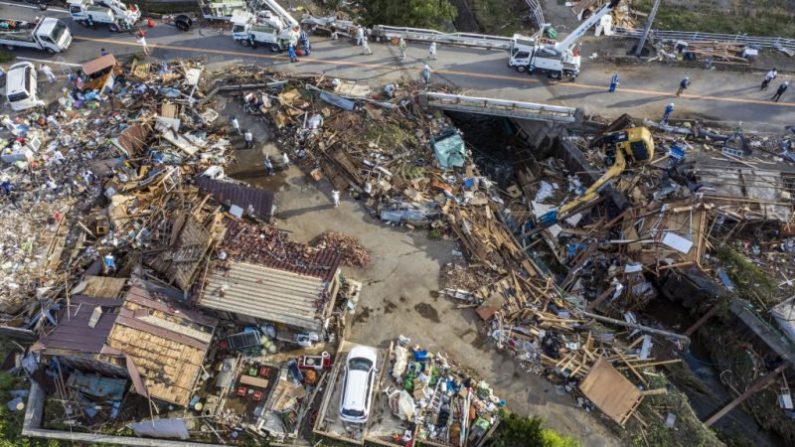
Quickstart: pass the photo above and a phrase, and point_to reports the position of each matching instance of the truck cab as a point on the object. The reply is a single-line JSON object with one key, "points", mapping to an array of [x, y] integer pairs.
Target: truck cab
{"points": [[21, 87], [528, 55], [251, 30], [53, 36]]}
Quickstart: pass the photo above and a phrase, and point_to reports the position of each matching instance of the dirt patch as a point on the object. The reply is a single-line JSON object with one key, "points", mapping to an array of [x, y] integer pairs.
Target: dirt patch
{"points": [[389, 307], [428, 312], [362, 316]]}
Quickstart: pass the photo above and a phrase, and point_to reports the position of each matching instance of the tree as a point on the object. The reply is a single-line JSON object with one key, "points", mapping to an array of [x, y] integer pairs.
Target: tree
{"points": [[515, 430], [411, 13]]}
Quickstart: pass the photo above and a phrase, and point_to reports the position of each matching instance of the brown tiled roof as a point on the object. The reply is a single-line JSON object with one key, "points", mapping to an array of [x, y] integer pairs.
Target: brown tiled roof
{"points": [[74, 334], [233, 194]]}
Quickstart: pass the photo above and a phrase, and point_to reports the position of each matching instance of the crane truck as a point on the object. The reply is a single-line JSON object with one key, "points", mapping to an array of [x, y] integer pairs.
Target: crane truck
{"points": [[558, 60], [634, 145], [272, 27], [113, 13], [48, 34]]}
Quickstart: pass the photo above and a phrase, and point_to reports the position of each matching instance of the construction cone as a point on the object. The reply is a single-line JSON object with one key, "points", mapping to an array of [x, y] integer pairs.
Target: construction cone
{"points": [[150, 23]]}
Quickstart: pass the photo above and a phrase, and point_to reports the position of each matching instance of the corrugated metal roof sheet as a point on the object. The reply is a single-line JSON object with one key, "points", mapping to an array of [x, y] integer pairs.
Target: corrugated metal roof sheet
{"points": [[73, 332], [266, 293], [243, 196]]}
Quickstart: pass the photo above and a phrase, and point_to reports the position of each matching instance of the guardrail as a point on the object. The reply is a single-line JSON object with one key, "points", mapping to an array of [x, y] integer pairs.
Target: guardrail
{"points": [[429, 35], [500, 107], [758, 41]]}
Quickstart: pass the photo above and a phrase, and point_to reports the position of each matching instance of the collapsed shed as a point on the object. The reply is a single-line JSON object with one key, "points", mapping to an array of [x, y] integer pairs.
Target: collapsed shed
{"points": [[159, 347]]}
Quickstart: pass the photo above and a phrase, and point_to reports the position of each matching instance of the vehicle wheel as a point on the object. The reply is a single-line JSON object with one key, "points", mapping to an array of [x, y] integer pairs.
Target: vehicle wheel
{"points": [[50, 50], [275, 48], [521, 68], [113, 28], [555, 75], [183, 24], [43, 6], [10, 47], [244, 42]]}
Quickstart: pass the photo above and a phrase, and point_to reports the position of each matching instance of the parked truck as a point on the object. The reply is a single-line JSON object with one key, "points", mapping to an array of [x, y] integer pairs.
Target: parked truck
{"points": [[262, 28], [113, 13], [48, 34]]}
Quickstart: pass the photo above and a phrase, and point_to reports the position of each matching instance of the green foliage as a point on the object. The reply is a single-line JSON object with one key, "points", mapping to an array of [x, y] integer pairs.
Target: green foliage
{"points": [[554, 439], [11, 422], [515, 430], [752, 282], [7, 56], [412, 13]]}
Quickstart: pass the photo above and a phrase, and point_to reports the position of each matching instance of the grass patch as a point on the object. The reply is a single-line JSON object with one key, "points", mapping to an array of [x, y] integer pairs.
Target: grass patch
{"points": [[168, 8], [7, 56], [774, 18]]}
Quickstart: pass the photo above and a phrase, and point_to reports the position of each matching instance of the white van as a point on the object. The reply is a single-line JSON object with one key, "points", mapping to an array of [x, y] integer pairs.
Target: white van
{"points": [[21, 87], [357, 386]]}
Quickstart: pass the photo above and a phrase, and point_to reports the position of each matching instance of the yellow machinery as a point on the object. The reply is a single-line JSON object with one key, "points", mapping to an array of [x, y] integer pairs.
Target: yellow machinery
{"points": [[634, 145]]}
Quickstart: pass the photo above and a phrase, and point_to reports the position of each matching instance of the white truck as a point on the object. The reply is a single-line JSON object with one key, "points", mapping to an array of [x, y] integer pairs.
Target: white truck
{"points": [[262, 28], [113, 13], [222, 10], [22, 87], [558, 60], [48, 34]]}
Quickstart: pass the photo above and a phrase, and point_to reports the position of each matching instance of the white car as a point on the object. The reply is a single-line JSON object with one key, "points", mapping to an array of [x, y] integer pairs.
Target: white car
{"points": [[21, 87], [358, 384]]}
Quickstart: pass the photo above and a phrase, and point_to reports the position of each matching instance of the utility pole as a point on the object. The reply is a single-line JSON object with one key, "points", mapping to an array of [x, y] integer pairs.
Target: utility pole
{"points": [[647, 29]]}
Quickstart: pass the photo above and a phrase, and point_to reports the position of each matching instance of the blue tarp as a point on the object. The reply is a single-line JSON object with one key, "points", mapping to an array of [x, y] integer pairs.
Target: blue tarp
{"points": [[450, 151], [338, 101]]}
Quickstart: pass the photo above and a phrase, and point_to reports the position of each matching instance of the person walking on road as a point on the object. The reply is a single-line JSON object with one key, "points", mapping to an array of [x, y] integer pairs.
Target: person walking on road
{"points": [[306, 45], [48, 73], [335, 197], [235, 125], [249, 137], [402, 46], [285, 160], [294, 34], [683, 85], [142, 43], [432, 51], [103, 52], [425, 74], [359, 35], [614, 82], [669, 109], [781, 89], [268, 166], [769, 77], [366, 47]]}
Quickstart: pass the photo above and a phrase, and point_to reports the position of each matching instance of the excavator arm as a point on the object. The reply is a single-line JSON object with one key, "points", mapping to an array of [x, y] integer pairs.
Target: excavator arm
{"points": [[593, 191]]}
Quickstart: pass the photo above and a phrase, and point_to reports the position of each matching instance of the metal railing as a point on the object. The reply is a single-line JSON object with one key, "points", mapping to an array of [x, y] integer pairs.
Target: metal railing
{"points": [[758, 41], [429, 35]]}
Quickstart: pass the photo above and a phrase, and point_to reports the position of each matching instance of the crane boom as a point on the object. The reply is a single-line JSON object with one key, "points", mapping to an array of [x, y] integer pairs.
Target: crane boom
{"points": [[572, 38], [281, 12]]}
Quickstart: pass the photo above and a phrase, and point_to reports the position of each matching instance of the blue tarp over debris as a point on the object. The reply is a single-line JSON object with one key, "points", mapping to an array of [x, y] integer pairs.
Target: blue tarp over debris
{"points": [[450, 151], [161, 428]]}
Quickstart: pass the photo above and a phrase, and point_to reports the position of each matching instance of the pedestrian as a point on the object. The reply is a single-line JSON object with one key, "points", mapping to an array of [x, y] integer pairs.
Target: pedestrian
{"points": [[781, 89], [335, 197], [366, 47], [48, 73], [306, 45], [7, 188], [769, 77], [268, 166], [683, 85], [402, 46], [669, 109], [425, 74], [334, 33], [359, 35], [285, 160], [292, 46], [235, 124], [103, 52], [142, 43], [432, 51], [249, 137], [614, 81]]}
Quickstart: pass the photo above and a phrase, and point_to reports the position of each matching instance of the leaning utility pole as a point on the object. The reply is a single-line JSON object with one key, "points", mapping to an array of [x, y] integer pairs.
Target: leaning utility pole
{"points": [[647, 29], [537, 13]]}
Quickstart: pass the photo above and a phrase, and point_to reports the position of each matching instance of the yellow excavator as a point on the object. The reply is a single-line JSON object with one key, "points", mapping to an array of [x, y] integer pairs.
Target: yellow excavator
{"points": [[634, 145]]}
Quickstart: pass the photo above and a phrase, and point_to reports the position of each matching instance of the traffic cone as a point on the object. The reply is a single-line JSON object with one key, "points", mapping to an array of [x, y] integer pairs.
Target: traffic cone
{"points": [[150, 23]]}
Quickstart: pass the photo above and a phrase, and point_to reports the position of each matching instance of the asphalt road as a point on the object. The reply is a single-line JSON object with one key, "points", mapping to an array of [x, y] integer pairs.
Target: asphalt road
{"points": [[727, 96]]}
